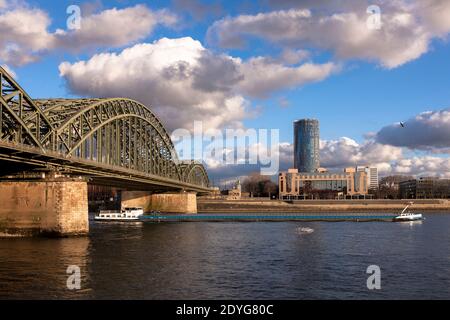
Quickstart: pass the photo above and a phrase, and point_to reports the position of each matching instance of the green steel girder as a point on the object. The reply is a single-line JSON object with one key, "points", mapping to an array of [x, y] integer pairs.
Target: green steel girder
{"points": [[195, 173], [21, 120], [115, 132]]}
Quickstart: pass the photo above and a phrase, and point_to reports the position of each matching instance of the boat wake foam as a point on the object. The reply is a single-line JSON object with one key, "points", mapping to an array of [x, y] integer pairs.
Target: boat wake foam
{"points": [[302, 230]]}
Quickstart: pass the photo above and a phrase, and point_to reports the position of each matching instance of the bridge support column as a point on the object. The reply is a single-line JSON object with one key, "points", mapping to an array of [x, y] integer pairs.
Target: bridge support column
{"points": [[141, 199], [176, 202], [44, 207], [169, 202]]}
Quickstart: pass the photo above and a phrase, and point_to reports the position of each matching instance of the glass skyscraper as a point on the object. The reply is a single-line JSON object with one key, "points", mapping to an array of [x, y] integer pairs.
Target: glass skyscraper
{"points": [[306, 145]]}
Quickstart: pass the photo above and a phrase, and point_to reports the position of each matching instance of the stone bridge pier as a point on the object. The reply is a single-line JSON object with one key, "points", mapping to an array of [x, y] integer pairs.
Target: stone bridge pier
{"points": [[169, 202], [48, 206], [53, 205]]}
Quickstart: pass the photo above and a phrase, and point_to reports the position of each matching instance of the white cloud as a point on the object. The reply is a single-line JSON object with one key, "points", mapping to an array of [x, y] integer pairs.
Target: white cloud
{"points": [[346, 152], [406, 32], [183, 81], [168, 75], [229, 31], [425, 166], [23, 34], [335, 155], [429, 130], [26, 36], [434, 14], [263, 76], [197, 9], [292, 56], [9, 70], [114, 27]]}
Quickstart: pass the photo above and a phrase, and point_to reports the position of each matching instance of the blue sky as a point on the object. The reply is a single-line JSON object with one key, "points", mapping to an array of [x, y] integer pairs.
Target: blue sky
{"points": [[359, 100], [368, 93], [366, 97]]}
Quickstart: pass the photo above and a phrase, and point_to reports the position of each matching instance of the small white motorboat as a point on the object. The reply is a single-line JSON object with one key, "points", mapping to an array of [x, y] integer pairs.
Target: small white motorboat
{"points": [[126, 214], [408, 216]]}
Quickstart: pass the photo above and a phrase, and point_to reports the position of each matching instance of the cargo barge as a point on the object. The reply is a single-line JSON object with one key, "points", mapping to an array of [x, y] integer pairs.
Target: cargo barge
{"points": [[260, 217]]}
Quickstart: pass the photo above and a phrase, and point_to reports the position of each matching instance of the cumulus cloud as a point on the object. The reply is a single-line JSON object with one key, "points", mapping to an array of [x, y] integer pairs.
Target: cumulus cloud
{"points": [[91, 7], [263, 76], [425, 166], [319, 5], [346, 152], [197, 9], [434, 14], [292, 56], [275, 156], [335, 155], [429, 130], [113, 27], [406, 32], [168, 75], [183, 81], [9, 70], [26, 36]]}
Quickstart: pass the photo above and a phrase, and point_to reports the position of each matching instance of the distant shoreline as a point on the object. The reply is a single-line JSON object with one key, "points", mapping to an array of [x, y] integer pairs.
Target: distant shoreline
{"points": [[319, 206]]}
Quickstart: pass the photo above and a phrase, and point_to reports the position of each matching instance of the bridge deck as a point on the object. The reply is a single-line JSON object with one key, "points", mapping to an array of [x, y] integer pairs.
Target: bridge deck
{"points": [[113, 141], [13, 156]]}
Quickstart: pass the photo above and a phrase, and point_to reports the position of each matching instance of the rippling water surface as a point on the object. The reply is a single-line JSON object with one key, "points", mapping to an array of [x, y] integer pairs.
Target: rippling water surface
{"points": [[225, 260]]}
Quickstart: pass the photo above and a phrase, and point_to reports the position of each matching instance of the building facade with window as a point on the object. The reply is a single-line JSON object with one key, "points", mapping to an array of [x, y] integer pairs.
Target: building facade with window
{"points": [[306, 145], [372, 176], [295, 185], [425, 188]]}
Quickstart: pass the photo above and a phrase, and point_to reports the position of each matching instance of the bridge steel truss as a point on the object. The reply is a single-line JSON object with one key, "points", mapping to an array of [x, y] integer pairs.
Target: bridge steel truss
{"points": [[104, 138]]}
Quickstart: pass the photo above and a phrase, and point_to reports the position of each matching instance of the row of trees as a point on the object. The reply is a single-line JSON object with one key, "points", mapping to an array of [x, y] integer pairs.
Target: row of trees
{"points": [[389, 187], [259, 186]]}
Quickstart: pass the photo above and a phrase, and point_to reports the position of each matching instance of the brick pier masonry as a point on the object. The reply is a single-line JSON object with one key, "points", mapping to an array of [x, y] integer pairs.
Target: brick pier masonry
{"points": [[58, 206], [54, 207], [169, 202]]}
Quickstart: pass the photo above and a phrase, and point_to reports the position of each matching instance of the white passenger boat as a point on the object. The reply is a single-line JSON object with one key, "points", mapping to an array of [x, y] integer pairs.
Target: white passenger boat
{"points": [[408, 216], [126, 214]]}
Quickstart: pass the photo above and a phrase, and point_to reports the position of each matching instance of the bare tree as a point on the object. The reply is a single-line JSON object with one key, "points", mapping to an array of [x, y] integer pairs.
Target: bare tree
{"points": [[259, 185], [389, 186]]}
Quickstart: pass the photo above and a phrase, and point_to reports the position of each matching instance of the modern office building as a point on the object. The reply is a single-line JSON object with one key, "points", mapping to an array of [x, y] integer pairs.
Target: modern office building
{"points": [[295, 185], [425, 188], [306, 145], [307, 180], [372, 176]]}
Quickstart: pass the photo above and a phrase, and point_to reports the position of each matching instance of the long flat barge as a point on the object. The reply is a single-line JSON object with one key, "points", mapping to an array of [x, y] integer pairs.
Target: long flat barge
{"points": [[259, 217], [318, 206]]}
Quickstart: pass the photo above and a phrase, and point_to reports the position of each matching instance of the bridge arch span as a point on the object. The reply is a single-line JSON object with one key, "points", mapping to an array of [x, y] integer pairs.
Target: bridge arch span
{"points": [[21, 120], [118, 131], [195, 173], [99, 137]]}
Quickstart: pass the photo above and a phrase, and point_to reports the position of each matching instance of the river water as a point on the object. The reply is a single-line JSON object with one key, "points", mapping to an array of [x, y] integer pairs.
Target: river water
{"points": [[234, 260]]}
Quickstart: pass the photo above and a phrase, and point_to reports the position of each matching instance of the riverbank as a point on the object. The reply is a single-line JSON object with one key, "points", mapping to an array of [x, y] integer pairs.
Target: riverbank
{"points": [[318, 206]]}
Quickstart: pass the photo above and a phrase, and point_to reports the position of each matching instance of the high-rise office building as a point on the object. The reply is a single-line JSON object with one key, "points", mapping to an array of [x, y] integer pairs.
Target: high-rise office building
{"points": [[372, 176], [306, 145]]}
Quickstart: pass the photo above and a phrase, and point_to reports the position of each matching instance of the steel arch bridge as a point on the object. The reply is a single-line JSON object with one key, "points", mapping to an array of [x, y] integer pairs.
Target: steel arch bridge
{"points": [[114, 141]]}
